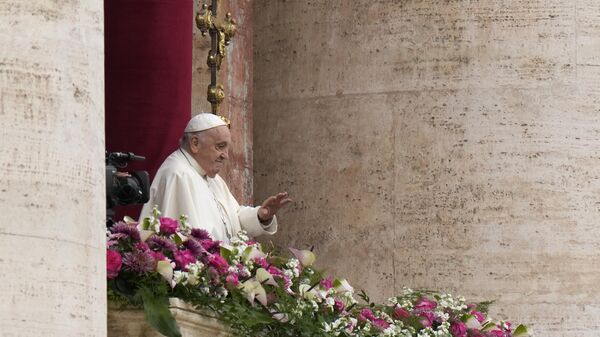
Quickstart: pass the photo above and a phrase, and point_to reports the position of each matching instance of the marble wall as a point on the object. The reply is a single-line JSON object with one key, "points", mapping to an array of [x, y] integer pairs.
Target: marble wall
{"points": [[52, 201], [439, 144]]}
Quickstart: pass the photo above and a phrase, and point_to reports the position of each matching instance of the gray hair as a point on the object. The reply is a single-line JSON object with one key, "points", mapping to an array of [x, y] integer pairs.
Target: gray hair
{"points": [[185, 139]]}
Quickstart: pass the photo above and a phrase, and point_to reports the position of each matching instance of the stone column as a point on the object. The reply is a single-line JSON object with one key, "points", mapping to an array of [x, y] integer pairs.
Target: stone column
{"points": [[439, 144], [52, 197]]}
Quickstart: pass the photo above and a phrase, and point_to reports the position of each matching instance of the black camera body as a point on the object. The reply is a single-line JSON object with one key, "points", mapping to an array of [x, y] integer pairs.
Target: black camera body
{"points": [[125, 188]]}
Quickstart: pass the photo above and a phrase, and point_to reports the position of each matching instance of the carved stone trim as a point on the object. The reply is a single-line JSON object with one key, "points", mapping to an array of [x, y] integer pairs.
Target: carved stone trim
{"points": [[130, 322]]}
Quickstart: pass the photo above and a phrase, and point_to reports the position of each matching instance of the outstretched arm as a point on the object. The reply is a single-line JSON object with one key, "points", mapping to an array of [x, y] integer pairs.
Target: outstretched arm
{"points": [[272, 205]]}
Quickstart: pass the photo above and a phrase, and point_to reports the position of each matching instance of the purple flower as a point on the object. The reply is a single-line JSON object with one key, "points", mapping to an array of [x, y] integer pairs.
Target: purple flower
{"points": [[183, 258], [200, 234], [157, 242], [113, 264], [458, 329], [194, 246], [168, 225], [139, 261], [126, 231], [211, 246]]}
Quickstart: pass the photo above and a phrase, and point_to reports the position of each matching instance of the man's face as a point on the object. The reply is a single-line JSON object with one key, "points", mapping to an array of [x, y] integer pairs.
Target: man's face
{"points": [[210, 148]]}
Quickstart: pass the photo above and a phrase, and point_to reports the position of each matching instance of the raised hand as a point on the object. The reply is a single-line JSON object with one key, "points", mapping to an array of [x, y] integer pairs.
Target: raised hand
{"points": [[272, 205]]}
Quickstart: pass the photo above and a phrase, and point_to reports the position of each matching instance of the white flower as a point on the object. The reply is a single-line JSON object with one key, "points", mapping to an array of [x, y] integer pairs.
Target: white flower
{"points": [[330, 302], [180, 277]]}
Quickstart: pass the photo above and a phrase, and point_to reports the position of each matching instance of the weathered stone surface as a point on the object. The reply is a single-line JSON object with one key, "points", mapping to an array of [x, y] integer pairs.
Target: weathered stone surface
{"points": [[52, 201], [439, 144], [129, 322]]}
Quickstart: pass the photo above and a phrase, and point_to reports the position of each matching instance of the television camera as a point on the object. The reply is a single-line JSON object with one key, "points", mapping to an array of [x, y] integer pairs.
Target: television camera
{"points": [[124, 188]]}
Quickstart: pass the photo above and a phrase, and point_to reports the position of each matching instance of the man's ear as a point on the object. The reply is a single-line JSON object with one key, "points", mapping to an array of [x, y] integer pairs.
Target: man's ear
{"points": [[194, 144]]}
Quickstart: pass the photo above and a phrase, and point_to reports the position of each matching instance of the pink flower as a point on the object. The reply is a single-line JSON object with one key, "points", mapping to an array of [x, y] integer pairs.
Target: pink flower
{"points": [[339, 305], [400, 313], [479, 316], [232, 279], [380, 323], [168, 225], [219, 263], [366, 315], [242, 270], [427, 318], [183, 258], [113, 264], [327, 283], [425, 304], [475, 333], [261, 262], [458, 329], [158, 256], [141, 246]]}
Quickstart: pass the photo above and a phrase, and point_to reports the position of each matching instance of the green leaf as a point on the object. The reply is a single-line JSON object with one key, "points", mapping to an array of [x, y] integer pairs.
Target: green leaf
{"points": [[225, 253], [177, 239], [521, 331], [488, 326], [158, 313]]}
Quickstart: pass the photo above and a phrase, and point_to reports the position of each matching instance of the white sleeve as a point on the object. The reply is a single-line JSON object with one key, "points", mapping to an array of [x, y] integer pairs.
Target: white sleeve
{"points": [[249, 221], [173, 195]]}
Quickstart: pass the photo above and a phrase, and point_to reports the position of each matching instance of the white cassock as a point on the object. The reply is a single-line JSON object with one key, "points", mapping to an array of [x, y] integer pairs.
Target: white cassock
{"points": [[181, 187]]}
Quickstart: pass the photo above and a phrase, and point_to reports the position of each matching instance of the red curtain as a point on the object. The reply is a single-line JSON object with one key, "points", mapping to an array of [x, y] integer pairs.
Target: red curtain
{"points": [[148, 74]]}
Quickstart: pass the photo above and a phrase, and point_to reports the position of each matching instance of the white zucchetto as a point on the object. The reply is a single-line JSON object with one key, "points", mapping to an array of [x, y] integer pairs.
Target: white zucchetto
{"points": [[204, 121]]}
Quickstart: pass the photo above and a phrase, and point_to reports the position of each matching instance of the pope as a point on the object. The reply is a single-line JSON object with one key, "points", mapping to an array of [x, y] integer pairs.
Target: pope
{"points": [[187, 183]]}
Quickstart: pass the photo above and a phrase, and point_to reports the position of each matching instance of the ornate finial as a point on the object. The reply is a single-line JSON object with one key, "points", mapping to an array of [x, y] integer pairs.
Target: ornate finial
{"points": [[215, 95], [221, 34]]}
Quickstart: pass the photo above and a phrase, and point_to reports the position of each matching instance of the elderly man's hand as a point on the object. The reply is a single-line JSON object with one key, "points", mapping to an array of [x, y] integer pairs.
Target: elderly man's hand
{"points": [[272, 205]]}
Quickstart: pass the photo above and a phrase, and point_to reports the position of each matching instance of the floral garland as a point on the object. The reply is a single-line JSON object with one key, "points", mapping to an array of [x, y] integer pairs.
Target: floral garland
{"points": [[258, 293]]}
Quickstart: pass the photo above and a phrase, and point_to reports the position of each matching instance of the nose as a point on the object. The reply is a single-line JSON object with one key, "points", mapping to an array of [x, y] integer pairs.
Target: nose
{"points": [[224, 155]]}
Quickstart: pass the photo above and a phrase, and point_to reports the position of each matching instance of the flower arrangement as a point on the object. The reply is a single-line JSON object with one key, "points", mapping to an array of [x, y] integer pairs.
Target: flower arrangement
{"points": [[259, 293]]}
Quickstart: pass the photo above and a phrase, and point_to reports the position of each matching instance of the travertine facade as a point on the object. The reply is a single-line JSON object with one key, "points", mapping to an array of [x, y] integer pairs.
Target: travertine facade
{"points": [[439, 144], [52, 169]]}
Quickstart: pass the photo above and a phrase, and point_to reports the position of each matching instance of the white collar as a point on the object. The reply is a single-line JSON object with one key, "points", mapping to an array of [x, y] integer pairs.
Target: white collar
{"points": [[190, 159]]}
